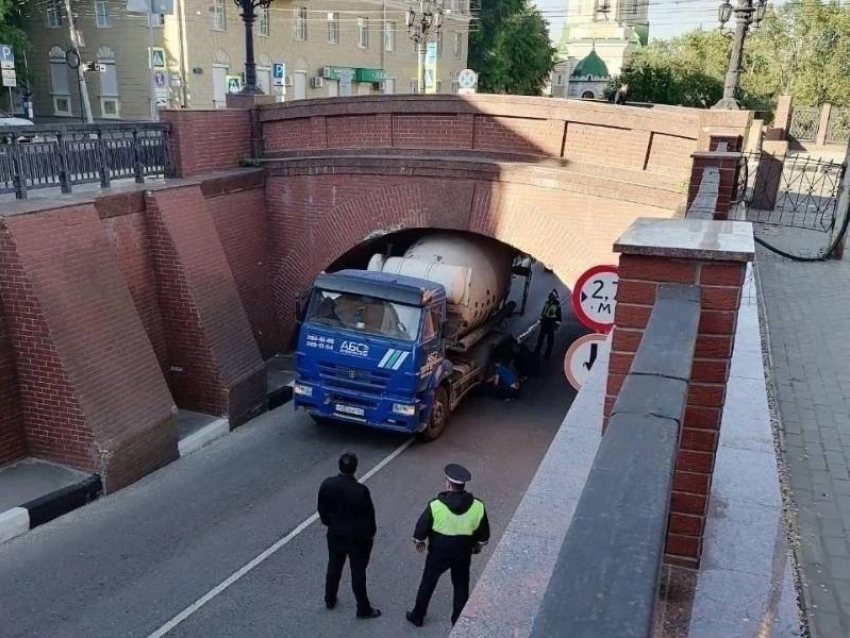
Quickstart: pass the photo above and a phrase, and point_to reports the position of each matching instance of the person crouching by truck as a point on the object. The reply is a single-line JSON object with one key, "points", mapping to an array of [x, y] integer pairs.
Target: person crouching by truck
{"points": [[550, 319]]}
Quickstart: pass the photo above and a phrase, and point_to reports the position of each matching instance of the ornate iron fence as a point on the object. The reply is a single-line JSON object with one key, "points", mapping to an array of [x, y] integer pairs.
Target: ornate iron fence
{"points": [[804, 123], [797, 190], [67, 155], [838, 129]]}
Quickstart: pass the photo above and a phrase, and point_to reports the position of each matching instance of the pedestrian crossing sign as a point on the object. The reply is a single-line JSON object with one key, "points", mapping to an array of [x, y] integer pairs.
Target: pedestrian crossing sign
{"points": [[157, 57], [234, 84]]}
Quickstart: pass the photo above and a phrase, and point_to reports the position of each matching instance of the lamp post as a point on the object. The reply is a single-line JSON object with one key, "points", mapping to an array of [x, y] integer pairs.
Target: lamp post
{"points": [[420, 25], [747, 13], [249, 16]]}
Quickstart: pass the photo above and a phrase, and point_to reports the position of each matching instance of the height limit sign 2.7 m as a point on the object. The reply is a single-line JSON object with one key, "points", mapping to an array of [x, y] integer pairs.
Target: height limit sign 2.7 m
{"points": [[595, 297]]}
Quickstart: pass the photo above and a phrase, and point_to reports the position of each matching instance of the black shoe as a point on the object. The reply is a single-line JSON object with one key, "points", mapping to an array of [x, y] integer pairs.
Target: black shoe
{"points": [[330, 604], [413, 620], [372, 613]]}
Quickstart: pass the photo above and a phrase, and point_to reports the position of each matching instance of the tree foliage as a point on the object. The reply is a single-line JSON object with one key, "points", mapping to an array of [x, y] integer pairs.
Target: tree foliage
{"points": [[802, 48], [510, 47], [11, 31]]}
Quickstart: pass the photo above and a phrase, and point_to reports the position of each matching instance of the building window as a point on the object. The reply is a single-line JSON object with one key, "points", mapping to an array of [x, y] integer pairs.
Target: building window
{"points": [[439, 43], [102, 17], [455, 87], [218, 16], [54, 14], [299, 25], [333, 28], [156, 20], [109, 105], [458, 51], [263, 21], [363, 33], [389, 36], [414, 86], [59, 90]]}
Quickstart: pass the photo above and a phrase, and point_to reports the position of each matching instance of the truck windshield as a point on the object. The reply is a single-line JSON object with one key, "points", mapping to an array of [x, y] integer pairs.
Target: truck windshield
{"points": [[369, 315]]}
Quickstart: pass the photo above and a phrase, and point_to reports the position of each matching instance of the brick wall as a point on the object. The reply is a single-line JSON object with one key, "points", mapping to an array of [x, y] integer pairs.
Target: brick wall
{"points": [[595, 134], [240, 219], [12, 441], [727, 164], [90, 385], [720, 283], [606, 145], [203, 141], [359, 131], [126, 229], [212, 353]]}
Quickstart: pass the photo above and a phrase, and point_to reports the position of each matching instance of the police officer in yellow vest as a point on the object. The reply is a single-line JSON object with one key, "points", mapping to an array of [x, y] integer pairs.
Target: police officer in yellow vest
{"points": [[550, 319], [454, 526]]}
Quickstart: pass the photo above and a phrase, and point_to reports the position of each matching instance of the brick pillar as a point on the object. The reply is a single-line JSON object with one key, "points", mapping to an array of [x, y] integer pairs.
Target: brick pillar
{"points": [[727, 163], [823, 125], [782, 119], [712, 255]]}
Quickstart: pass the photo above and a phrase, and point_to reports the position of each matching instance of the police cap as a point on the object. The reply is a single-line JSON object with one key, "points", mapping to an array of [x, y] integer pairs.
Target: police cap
{"points": [[457, 474]]}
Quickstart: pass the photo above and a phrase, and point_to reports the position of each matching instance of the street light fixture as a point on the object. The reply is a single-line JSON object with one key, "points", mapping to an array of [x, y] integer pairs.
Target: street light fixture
{"points": [[249, 16], [421, 24], [747, 13]]}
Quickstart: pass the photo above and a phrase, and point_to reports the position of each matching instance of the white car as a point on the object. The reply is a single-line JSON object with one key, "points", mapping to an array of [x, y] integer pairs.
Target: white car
{"points": [[11, 120]]}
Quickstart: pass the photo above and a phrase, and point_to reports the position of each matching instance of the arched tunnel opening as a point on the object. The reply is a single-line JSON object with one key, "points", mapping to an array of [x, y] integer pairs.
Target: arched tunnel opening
{"points": [[494, 322]]}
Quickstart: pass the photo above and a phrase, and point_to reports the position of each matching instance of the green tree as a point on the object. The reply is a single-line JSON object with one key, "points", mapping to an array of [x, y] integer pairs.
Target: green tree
{"points": [[510, 48], [802, 48]]}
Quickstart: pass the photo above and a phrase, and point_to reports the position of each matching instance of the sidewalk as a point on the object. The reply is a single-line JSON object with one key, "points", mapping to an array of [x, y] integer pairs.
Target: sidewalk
{"points": [[808, 317]]}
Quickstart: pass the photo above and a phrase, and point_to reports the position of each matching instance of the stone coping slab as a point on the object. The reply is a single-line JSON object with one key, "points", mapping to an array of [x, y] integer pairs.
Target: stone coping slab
{"points": [[688, 239]]}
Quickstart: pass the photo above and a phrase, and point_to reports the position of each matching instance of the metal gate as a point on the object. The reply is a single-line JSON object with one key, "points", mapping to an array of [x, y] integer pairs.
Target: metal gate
{"points": [[794, 196]]}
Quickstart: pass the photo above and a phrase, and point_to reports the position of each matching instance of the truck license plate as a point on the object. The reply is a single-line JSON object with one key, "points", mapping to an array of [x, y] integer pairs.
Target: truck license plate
{"points": [[350, 409]]}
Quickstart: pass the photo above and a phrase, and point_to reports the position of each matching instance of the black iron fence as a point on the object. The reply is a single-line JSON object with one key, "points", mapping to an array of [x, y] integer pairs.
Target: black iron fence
{"points": [[67, 155], [795, 190]]}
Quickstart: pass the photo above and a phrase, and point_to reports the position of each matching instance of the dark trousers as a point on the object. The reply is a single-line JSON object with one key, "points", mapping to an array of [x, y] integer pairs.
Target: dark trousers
{"points": [[357, 553], [435, 565], [547, 331]]}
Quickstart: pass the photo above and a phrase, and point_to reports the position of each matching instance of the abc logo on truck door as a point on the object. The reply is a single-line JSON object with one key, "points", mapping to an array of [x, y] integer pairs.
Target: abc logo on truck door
{"points": [[354, 348]]}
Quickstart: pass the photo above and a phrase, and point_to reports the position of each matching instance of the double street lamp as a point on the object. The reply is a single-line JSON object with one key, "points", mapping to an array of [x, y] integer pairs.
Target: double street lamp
{"points": [[747, 13], [249, 16]]}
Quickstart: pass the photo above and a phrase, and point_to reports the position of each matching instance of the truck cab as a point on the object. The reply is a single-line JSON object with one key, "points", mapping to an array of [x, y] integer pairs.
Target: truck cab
{"points": [[371, 350]]}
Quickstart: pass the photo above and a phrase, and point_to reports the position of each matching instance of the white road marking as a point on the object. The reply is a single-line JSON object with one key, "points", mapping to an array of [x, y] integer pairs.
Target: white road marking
{"points": [[260, 558]]}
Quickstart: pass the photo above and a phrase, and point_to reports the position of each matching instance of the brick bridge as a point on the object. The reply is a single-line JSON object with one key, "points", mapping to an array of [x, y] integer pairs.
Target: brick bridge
{"points": [[119, 306]]}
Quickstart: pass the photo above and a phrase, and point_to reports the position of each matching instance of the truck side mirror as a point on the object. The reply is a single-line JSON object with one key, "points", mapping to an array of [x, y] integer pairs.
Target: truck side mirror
{"points": [[301, 304]]}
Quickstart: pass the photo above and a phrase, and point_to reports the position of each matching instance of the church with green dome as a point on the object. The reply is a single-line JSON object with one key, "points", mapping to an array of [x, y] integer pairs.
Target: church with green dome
{"points": [[598, 39]]}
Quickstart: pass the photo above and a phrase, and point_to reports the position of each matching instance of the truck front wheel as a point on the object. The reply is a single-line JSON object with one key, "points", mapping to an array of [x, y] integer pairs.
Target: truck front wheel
{"points": [[439, 416]]}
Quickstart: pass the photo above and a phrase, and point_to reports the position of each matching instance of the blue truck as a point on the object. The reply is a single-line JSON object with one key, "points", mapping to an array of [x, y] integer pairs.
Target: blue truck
{"points": [[399, 345]]}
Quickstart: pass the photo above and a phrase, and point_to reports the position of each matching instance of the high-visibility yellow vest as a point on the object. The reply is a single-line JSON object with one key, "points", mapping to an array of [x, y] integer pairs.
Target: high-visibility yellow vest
{"points": [[448, 523], [551, 310]]}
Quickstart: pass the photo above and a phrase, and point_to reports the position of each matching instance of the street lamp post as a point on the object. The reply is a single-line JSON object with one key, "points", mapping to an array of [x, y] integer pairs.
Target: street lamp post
{"points": [[249, 16], [420, 25], [747, 13]]}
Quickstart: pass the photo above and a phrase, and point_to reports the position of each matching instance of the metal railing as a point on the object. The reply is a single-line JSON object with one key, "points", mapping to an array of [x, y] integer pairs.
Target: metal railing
{"points": [[805, 121], [66, 155], [607, 575]]}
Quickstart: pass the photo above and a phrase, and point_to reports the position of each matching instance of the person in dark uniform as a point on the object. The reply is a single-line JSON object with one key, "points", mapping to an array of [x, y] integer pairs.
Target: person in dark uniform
{"points": [[550, 319], [345, 508], [454, 526]]}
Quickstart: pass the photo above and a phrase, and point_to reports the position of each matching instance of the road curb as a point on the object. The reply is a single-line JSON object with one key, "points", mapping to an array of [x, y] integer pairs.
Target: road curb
{"points": [[18, 520], [203, 437]]}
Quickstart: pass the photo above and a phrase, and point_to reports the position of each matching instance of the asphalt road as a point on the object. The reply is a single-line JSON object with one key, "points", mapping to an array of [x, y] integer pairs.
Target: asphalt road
{"points": [[127, 564]]}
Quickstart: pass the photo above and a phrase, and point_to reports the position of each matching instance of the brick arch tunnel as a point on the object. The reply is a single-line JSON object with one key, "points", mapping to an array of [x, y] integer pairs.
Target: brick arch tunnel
{"points": [[556, 179]]}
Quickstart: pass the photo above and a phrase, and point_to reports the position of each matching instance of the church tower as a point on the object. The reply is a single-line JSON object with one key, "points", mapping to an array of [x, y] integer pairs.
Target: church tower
{"points": [[599, 37]]}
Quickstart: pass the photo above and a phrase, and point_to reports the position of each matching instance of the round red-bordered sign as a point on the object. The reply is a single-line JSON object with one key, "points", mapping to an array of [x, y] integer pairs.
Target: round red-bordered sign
{"points": [[580, 358], [594, 298]]}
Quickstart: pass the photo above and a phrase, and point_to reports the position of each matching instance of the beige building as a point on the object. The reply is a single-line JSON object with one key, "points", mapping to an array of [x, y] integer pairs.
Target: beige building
{"points": [[327, 47]]}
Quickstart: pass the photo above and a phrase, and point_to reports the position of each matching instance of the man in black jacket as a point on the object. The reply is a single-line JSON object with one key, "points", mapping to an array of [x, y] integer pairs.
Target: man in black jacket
{"points": [[345, 507], [455, 527], [550, 319]]}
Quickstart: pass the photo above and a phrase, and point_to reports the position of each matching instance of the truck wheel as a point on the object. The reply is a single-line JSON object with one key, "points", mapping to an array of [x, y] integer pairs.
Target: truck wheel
{"points": [[439, 416]]}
